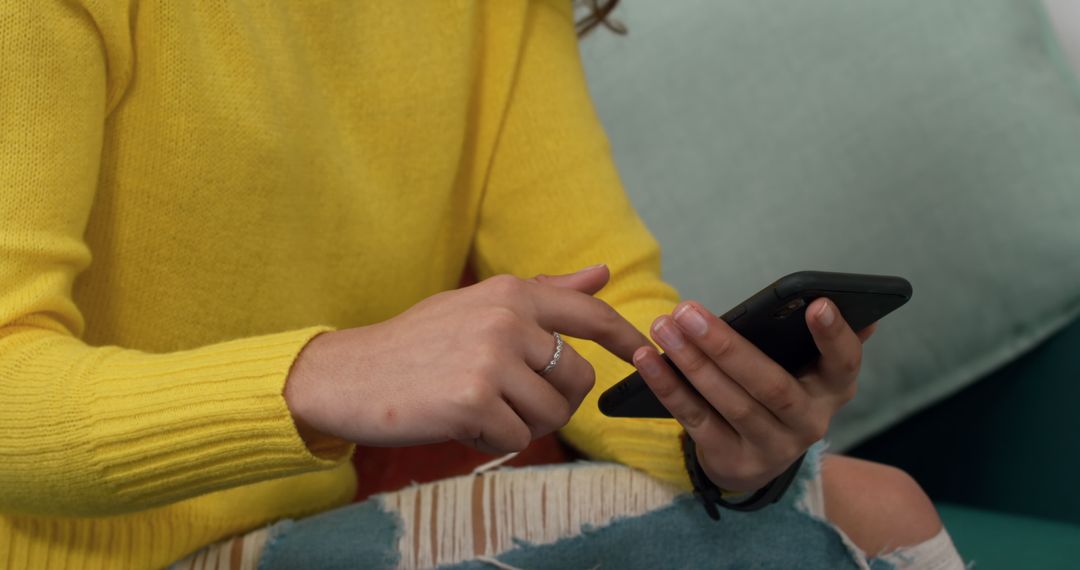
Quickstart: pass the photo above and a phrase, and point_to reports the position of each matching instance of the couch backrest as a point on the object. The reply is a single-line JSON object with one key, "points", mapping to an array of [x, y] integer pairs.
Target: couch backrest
{"points": [[934, 139]]}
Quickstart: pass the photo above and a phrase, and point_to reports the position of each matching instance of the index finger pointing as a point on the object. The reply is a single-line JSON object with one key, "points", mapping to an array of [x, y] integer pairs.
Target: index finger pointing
{"points": [[581, 315]]}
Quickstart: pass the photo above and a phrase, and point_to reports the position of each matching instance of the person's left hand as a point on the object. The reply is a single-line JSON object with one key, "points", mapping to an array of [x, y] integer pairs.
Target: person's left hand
{"points": [[753, 419]]}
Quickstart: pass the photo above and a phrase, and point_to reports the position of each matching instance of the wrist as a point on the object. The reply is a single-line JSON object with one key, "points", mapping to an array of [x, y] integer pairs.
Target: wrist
{"points": [[732, 487], [300, 397], [712, 496]]}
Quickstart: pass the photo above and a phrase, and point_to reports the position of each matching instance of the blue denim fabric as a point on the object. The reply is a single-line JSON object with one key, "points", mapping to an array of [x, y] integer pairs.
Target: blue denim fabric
{"points": [[362, 535], [683, 536], [680, 535]]}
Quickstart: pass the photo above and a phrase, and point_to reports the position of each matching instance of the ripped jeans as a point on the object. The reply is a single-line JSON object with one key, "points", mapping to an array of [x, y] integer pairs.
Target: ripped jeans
{"points": [[581, 515]]}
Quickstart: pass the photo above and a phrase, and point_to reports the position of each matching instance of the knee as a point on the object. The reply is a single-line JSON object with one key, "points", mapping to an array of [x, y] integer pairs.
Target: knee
{"points": [[880, 507]]}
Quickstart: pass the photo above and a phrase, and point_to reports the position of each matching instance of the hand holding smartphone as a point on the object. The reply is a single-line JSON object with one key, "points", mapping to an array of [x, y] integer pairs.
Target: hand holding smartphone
{"points": [[774, 320]]}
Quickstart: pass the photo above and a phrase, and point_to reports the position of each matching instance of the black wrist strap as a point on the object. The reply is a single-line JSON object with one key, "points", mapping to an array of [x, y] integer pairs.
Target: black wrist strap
{"points": [[710, 495]]}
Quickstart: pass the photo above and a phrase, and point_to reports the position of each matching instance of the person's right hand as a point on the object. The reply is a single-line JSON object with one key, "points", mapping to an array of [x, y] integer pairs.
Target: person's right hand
{"points": [[461, 365]]}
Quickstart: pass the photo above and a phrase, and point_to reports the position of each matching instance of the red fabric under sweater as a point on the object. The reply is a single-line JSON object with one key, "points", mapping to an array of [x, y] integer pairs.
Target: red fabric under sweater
{"points": [[384, 469]]}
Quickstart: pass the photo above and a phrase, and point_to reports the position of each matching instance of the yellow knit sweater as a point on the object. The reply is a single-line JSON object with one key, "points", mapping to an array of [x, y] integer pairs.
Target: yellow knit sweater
{"points": [[189, 191]]}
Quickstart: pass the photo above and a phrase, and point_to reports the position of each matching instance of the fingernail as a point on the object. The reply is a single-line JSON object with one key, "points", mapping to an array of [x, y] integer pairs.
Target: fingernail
{"points": [[589, 268], [669, 335], [825, 315], [646, 365], [691, 320]]}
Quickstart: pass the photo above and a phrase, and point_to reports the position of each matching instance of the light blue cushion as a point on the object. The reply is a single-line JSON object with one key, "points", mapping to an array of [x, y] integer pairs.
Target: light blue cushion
{"points": [[934, 139]]}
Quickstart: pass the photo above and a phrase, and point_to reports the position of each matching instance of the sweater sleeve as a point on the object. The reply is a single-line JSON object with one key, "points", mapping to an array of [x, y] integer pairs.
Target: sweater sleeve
{"points": [[553, 204], [88, 431]]}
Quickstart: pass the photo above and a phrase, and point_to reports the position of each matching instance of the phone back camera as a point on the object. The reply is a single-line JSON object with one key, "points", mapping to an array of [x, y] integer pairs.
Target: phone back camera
{"points": [[790, 308]]}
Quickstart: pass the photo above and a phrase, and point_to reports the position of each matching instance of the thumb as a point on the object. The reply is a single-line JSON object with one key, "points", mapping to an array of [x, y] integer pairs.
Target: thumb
{"points": [[588, 280]]}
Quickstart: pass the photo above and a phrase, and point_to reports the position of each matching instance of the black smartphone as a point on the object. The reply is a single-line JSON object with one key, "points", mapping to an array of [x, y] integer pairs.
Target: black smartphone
{"points": [[774, 320]]}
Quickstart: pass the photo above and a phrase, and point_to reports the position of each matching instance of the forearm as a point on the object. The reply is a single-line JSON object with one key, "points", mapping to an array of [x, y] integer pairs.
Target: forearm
{"points": [[91, 431]]}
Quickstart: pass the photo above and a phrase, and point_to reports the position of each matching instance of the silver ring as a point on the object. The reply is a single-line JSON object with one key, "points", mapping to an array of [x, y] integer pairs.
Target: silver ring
{"points": [[554, 357]]}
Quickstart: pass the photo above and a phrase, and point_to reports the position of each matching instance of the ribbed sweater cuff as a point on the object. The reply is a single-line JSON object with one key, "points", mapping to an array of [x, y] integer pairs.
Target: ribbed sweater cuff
{"points": [[162, 427]]}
